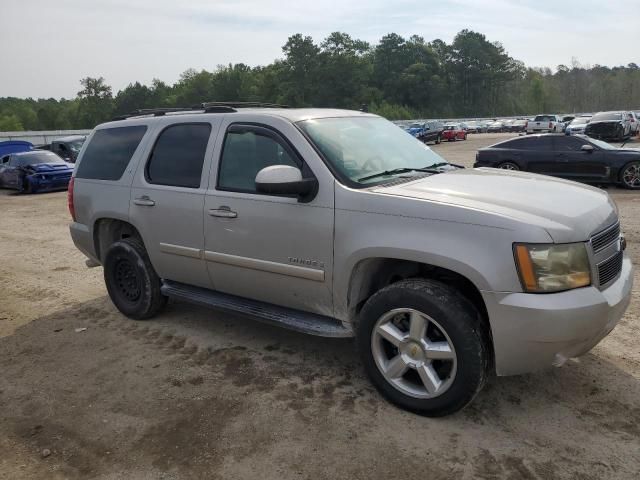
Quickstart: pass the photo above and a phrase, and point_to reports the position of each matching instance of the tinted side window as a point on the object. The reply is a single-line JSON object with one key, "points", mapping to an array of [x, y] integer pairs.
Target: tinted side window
{"points": [[246, 153], [178, 155], [568, 144], [109, 152], [518, 144]]}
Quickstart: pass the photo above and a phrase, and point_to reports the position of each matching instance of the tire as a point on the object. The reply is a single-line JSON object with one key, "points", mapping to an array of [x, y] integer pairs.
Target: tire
{"points": [[509, 166], [464, 137], [630, 176], [132, 282], [450, 320]]}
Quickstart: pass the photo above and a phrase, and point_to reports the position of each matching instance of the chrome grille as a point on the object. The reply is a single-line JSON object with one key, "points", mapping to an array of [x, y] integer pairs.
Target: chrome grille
{"points": [[610, 268], [602, 240]]}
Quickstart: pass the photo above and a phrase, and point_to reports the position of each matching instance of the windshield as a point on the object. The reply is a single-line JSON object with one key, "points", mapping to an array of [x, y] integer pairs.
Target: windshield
{"points": [[362, 146], [599, 117], [580, 120], [37, 157], [602, 144], [76, 145]]}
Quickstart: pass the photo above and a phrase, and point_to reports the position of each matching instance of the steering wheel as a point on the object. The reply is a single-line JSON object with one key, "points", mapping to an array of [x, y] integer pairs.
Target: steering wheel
{"points": [[369, 166]]}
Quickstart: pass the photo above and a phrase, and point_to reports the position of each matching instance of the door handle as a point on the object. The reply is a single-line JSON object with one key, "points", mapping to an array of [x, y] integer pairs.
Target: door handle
{"points": [[144, 200], [223, 212]]}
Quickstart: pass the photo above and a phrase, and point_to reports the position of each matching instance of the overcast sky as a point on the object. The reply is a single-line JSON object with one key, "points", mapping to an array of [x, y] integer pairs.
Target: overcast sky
{"points": [[46, 46]]}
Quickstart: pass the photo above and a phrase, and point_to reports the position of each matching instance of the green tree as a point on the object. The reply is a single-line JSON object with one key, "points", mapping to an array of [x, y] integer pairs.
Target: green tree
{"points": [[95, 103]]}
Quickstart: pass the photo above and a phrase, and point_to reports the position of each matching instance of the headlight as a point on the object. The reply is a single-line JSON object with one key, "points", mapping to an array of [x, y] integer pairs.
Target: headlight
{"points": [[552, 268]]}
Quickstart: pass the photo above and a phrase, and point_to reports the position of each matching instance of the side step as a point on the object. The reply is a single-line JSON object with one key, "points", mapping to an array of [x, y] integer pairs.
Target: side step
{"points": [[289, 318]]}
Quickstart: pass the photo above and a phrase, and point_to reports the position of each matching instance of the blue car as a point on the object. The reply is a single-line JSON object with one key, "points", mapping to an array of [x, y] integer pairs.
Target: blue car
{"points": [[34, 171]]}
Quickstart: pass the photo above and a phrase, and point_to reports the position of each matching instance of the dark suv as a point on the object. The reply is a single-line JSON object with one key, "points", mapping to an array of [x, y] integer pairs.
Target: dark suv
{"points": [[432, 132]]}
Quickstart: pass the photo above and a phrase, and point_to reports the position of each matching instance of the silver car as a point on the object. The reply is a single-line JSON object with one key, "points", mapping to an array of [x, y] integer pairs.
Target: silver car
{"points": [[338, 223]]}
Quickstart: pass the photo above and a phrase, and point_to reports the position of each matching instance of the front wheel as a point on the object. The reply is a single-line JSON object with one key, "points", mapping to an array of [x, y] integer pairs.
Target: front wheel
{"points": [[423, 346], [630, 176], [131, 280]]}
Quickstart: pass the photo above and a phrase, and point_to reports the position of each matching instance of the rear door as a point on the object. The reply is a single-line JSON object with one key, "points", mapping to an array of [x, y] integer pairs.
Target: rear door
{"points": [[167, 198], [537, 153]]}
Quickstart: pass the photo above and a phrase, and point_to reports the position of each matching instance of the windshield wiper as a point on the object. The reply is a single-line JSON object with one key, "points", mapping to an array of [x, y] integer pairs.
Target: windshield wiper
{"points": [[395, 171]]}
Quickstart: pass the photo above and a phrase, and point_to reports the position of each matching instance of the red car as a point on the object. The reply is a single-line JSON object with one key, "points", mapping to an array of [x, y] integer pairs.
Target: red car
{"points": [[453, 132]]}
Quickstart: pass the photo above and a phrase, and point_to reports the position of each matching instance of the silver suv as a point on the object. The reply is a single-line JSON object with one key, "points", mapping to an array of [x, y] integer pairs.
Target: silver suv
{"points": [[337, 223]]}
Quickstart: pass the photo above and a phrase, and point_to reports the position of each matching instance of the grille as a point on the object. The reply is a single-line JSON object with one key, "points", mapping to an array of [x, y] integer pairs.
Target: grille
{"points": [[602, 240], [609, 269]]}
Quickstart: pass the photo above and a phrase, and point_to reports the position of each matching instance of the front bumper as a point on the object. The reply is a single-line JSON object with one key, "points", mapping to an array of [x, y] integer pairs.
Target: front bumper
{"points": [[535, 331], [48, 184]]}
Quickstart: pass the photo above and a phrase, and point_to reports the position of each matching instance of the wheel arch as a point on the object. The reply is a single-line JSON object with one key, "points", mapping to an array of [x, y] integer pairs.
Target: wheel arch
{"points": [[108, 230]]}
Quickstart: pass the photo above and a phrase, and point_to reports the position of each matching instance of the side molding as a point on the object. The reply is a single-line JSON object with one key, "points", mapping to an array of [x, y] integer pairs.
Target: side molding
{"points": [[265, 266]]}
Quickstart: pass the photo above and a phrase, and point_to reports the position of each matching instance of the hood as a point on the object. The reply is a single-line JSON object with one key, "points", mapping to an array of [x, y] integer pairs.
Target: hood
{"points": [[568, 211], [50, 167]]}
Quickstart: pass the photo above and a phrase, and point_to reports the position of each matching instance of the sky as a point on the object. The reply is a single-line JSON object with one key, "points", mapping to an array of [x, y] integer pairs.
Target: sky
{"points": [[47, 46]]}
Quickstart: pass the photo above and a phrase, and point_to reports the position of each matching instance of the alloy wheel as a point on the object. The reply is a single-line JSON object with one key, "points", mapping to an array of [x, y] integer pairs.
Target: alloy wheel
{"points": [[631, 176], [414, 353], [508, 166]]}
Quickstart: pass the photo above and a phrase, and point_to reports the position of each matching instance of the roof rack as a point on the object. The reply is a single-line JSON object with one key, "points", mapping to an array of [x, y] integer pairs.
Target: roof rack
{"points": [[206, 107]]}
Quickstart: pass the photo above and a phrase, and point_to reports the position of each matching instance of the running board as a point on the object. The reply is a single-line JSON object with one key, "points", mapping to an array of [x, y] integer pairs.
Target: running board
{"points": [[289, 318]]}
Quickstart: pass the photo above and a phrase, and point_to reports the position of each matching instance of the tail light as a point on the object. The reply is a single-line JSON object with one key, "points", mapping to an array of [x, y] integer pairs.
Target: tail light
{"points": [[550, 124], [72, 209]]}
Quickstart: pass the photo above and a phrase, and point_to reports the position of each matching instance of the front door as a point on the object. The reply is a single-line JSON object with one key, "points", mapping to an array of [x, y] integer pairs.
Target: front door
{"points": [[167, 199], [577, 164], [271, 248]]}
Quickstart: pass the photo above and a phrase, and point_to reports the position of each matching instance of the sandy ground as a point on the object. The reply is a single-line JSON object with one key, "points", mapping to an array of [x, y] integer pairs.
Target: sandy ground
{"points": [[197, 394]]}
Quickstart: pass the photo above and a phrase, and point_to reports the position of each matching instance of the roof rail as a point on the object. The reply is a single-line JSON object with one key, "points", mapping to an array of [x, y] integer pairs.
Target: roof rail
{"points": [[206, 107]]}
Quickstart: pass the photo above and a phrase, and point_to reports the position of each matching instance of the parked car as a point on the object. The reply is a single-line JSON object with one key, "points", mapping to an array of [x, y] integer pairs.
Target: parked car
{"points": [[432, 132], [609, 126], [34, 171], [495, 127], [575, 157], [482, 126], [337, 223], [577, 125], [14, 146], [453, 132], [635, 123], [472, 127], [518, 126], [545, 124], [66, 148]]}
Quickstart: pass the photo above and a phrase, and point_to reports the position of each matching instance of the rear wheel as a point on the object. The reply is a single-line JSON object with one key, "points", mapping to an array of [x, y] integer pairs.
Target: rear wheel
{"points": [[630, 176], [423, 346], [131, 280], [509, 166]]}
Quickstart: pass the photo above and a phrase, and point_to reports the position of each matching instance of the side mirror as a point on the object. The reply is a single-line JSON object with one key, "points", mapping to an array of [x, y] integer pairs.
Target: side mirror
{"points": [[587, 148], [285, 180]]}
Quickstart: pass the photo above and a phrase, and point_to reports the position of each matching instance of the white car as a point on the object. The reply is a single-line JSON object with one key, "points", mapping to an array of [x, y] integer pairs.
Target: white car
{"points": [[577, 125], [545, 124]]}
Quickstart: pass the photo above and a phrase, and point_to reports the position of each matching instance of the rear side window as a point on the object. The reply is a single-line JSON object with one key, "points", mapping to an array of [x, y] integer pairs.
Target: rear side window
{"points": [[530, 143], [109, 152], [178, 155]]}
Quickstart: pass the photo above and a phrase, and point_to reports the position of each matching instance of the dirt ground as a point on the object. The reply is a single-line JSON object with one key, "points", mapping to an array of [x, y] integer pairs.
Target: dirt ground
{"points": [[197, 394]]}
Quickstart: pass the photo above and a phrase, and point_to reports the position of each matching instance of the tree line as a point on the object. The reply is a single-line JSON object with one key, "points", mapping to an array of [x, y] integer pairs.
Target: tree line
{"points": [[399, 78]]}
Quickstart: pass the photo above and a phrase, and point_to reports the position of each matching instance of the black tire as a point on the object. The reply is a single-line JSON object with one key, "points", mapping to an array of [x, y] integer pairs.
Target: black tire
{"points": [[463, 325], [131, 280]]}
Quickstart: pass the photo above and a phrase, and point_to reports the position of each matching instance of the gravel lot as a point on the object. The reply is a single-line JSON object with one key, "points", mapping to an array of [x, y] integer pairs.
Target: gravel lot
{"points": [[197, 394]]}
